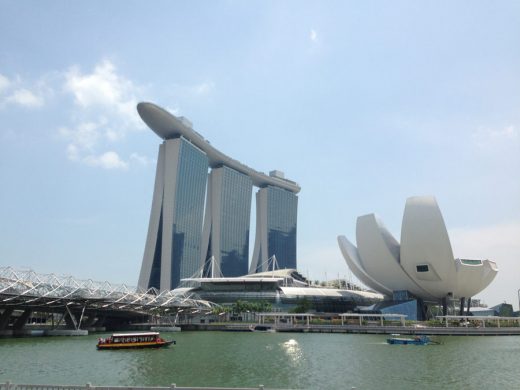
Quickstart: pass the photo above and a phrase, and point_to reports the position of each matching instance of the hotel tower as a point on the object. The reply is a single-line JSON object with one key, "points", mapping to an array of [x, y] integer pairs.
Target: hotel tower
{"points": [[201, 209]]}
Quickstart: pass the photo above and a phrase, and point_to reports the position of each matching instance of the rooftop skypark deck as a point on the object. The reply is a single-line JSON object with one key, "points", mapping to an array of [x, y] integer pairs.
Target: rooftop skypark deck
{"points": [[167, 126]]}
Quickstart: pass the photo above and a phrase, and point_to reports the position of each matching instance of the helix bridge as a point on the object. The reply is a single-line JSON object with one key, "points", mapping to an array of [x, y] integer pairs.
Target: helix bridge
{"points": [[85, 303]]}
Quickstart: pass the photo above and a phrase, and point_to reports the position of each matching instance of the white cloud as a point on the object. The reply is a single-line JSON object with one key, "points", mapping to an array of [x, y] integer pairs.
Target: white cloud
{"points": [[496, 138], [203, 89], [4, 83], [102, 87], [16, 92], [313, 36], [107, 160], [24, 97], [499, 243], [142, 160], [72, 152], [103, 109], [104, 90], [113, 134], [84, 137], [105, 112], [175, 111]]}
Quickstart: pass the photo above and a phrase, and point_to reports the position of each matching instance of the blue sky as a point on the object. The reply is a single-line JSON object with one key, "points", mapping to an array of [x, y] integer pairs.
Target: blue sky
{"points": [[362, 103]]}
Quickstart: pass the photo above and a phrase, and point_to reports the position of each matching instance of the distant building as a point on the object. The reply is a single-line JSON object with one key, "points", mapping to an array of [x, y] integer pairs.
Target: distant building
{"points": [[196, 217], [341, 283], [475, 302], [500, 310], [503, 310]]}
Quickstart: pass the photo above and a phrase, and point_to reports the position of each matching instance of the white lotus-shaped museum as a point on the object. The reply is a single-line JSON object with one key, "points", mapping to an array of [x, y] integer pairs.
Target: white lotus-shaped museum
{"points": [[423, 264]]}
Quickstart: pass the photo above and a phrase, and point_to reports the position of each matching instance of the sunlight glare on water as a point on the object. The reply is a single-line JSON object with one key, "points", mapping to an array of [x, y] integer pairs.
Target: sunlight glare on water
{"points": [[292, 349]]}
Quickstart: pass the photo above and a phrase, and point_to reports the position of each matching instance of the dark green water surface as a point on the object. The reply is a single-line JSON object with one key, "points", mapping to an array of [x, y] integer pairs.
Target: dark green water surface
{"points": [[279, 360]]}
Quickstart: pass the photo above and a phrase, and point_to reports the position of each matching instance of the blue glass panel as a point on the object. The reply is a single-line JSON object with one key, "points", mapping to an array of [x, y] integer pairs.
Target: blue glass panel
{"points": [[235, 212], [189, 209], [282, 210], [155, 274]]}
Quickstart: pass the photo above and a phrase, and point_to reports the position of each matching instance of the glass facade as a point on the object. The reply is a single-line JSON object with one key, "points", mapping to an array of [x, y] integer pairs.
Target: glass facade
{"points": [[190, 192], [282, 211], [180, 241], [235, 213], [155, 274], [409, 308]]}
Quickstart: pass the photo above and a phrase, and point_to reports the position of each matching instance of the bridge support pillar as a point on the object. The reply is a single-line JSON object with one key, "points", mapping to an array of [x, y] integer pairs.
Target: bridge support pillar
{"points": [[4, 318], [70, 319], [469, 306], [20, 322]]}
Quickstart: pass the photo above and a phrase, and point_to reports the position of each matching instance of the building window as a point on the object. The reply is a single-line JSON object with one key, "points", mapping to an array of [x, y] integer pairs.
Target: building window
{"points": [[471, 262], [422, 268]]}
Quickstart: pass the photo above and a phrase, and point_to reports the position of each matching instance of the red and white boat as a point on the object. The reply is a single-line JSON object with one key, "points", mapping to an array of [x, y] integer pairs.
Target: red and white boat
{"points": [[133, 340]]}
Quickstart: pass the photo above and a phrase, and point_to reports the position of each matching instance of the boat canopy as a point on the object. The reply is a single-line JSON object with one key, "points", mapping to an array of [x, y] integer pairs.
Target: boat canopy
{"points": [[141, 334]]}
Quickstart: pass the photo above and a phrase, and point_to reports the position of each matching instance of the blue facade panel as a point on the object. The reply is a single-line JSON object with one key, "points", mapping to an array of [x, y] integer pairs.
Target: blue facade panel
{"points": [[402, 295], [408, 308], [189, 211], [235, 215], [282, 211]]}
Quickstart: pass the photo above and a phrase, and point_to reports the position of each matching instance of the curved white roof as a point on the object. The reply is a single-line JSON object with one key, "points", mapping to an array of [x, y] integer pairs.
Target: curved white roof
{"points": [[351, 255], [422, 264], [472, 278], [168, 126], [425, 241], [380, 253]]}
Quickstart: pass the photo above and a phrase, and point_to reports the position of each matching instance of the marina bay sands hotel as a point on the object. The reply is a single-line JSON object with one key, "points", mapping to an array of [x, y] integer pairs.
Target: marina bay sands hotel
{"points": [[198, 215]]}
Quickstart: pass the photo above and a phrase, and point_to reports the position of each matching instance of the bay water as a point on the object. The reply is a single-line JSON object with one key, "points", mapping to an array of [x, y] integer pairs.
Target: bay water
{"points": [[275, 360]]}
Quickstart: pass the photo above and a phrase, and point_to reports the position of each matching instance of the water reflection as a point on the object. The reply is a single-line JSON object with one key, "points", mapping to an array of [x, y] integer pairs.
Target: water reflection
{"points": [[292, 350]]}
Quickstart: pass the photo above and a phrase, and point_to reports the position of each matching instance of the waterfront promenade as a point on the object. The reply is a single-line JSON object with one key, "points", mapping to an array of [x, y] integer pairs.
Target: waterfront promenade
{"points": [[369, 324], [365, 329], [88, 386]]}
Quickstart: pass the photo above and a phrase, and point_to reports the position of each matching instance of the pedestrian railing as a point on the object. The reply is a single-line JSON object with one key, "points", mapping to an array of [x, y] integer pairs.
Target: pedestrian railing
{"points": [[88, 386]]}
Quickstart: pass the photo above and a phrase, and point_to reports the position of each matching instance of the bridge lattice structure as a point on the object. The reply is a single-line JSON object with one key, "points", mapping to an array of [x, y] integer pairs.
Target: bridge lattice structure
{"points": [[45, 292]]}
